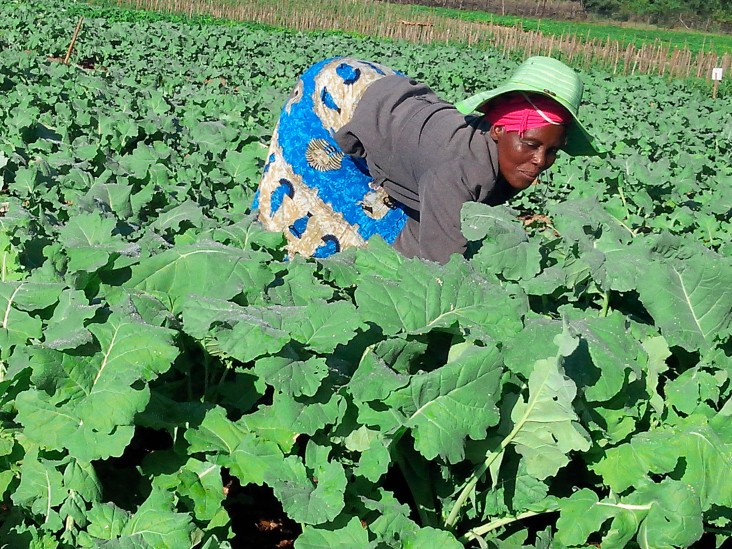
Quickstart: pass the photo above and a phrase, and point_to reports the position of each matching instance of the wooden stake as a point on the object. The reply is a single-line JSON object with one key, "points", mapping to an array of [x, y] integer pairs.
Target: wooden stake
{"points": [[73, 40]]}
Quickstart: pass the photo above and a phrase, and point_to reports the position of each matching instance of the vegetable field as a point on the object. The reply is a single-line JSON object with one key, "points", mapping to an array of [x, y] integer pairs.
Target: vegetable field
{"points": [[164, 371]]}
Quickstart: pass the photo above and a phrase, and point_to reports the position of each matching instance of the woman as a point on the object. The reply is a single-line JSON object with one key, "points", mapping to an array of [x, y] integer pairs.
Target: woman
{"points": [[361, 149]]}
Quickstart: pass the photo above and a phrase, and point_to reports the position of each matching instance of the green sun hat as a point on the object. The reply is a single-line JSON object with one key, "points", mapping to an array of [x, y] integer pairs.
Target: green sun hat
{"points": [[550, 77]]}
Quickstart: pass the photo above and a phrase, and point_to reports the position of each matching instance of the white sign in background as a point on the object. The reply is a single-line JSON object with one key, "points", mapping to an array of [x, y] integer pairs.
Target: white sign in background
{"points": [[717, 73]]}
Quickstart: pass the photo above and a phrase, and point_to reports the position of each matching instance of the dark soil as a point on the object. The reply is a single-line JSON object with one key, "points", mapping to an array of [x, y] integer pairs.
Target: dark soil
{"points": [[257, 518]]}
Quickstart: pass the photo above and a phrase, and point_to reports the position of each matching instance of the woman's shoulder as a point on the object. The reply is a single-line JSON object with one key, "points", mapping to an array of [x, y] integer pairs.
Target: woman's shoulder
{"points": [[398, 89]]}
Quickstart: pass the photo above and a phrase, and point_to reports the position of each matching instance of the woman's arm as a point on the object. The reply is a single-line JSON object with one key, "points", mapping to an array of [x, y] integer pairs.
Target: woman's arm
{"points": [[442, 195]]}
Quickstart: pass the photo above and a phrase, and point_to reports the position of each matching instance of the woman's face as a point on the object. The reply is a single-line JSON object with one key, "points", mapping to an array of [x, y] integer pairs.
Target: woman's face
{"points": [[522, 159]]}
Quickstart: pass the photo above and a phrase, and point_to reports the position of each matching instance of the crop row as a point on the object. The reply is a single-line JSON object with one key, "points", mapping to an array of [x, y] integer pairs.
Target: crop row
{"points": [[568, 384]]}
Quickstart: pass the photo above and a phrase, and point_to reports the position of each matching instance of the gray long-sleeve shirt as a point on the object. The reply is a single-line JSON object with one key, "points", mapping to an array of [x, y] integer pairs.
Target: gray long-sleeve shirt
{"points": [[427, 156]]}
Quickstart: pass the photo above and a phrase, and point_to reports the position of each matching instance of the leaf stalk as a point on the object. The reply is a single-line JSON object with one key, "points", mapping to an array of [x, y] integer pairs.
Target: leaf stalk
{"points": [[480, 471], [605, 304], [494, 525]]}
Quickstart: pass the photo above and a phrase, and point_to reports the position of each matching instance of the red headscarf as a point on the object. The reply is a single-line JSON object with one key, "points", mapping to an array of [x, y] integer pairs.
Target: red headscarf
{"points": [[520, 112]]}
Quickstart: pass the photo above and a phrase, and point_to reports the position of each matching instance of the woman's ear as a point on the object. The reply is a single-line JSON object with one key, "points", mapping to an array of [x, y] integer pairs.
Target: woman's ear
{"points": [[495, 132]]}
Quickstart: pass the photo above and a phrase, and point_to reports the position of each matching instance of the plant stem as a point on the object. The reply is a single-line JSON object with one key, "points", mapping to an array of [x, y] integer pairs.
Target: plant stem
{"points": [[206, 374], [485, 528], [627, 211], [480, 471], [622, 198], [225, 367], [544, 303], [470, 485], [714, 530], [605, 304]]}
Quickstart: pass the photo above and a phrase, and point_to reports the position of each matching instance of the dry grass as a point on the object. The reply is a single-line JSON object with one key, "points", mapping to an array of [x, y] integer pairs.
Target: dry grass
{"points": [[401, 22]]}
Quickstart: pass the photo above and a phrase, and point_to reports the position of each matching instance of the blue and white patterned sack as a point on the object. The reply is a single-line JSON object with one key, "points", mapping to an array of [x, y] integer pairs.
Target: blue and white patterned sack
{"points": [[324, 200]]}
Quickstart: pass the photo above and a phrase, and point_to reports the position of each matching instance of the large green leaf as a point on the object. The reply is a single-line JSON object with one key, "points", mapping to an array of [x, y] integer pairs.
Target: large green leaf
{"points": [[310, 492], [456, 401], [249, 332], [580, 516], [41, 489], [201, 482], [605, 243], [545, 426], [187, 213], [615, 353], [292, 376], [65, 412], [91, 241], [82, 478], [352, 536], [384, 368], [425, 296], [705, 462], [229, 444], [66, 329], [690, 300], [300, 285], [209, 270], [607, 352], [506, 248], [667, 514], [17, 301], [154, 524], [238, 331]]}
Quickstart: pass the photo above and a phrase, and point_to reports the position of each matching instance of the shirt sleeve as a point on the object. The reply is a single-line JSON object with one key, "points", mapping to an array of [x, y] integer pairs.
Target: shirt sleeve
{"points": [[442, 195]]}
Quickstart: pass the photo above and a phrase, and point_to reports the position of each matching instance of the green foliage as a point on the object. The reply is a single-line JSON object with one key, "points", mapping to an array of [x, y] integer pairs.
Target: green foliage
{"points": [[574, 371], [663, 13]]}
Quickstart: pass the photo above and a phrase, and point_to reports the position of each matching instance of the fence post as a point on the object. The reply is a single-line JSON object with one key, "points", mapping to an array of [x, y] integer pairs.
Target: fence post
{"points": [[717, 77]]}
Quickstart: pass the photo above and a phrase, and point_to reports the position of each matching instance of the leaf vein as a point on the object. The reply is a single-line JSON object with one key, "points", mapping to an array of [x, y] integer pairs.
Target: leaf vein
{"points": [[106, 357], [687, 297], [10, 302]]}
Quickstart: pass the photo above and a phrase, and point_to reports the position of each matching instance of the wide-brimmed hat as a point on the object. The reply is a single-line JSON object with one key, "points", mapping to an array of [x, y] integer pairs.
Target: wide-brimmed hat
{"points": [[550, 77]]}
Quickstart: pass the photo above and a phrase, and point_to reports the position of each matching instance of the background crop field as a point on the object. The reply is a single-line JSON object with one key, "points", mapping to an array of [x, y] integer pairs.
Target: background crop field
{"points": [[169, 379], [661, 52]]}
